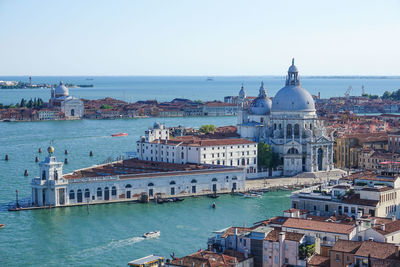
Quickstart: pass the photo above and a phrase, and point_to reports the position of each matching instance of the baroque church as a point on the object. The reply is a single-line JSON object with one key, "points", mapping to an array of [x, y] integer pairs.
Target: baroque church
{"points": [[72, 107], [288, 123]]}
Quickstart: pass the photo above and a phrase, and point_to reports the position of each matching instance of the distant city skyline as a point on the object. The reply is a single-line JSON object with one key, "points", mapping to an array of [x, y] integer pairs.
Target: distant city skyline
{"points": [[190, 38]]}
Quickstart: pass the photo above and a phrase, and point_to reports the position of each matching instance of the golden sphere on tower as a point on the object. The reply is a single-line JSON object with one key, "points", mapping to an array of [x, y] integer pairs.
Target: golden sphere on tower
{"points": [[50, 149]]}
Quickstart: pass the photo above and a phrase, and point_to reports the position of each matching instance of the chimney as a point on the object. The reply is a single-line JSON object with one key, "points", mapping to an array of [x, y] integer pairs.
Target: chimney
{"points": [[359, 214], [397, 252], [383, 227], [235, 231], [393, 218], [281, 237]]}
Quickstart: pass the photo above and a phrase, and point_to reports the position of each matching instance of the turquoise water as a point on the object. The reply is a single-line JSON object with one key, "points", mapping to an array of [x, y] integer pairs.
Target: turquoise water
{"points": [[110, 234], [132, 89]]}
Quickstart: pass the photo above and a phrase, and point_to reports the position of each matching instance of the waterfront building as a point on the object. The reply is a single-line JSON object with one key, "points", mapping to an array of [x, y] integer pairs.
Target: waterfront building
{"points": [[289, 123], [130, 180], [156, 145], [369, 193], [72, 107]]}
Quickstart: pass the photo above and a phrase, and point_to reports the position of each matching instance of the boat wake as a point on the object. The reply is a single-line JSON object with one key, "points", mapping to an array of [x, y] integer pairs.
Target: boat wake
{"points": [[112, 245]]}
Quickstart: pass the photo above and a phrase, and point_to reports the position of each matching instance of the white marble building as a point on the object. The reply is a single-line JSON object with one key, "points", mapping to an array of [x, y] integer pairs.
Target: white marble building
{"points": [[288, 123], [156, 145], [72, 107], [128, 180]]}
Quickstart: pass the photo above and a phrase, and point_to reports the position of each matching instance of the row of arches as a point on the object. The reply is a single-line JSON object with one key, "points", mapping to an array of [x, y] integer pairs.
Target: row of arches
{"points": [[293, 130], [80, 195]]}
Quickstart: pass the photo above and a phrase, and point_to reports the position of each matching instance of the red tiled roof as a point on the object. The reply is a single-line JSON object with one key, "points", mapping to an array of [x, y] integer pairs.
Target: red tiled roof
{"points": [[320, 226]]}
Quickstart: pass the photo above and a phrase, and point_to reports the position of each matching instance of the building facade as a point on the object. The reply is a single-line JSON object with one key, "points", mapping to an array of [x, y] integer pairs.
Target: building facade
{"points": [[156, 145], [129, 180], [72, 107], [288, 123]]}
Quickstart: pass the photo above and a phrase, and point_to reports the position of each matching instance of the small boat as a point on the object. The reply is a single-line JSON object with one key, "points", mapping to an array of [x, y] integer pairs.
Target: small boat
{"points": [[178, 199], [213, 196], [252, 195], [119, 134], [214, 205], [152, 234], [2, 225]]}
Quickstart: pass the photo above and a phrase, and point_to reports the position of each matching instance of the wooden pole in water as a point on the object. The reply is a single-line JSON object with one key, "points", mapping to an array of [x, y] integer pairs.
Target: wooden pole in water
{"points": [[40, 150], [91, 153], [37, 159], [6, 158], [87, 205], [66, 152], [26, 173], [16, 199]]}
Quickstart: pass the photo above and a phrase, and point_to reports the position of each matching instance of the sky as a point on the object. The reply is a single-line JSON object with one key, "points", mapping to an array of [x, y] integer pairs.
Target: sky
{"points": [[204, 37]]}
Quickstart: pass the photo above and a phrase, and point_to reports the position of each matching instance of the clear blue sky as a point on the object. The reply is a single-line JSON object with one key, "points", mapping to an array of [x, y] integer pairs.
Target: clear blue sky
{"points": [[204, 37]]}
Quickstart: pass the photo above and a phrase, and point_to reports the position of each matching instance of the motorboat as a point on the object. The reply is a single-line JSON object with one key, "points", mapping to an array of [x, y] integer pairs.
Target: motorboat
{"points": [[119, 134], [214, 205], [152, 234], [252, 195], [2, 225]]}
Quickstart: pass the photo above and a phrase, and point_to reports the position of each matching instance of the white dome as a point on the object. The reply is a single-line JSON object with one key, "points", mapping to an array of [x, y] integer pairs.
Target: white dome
{"points": [[262, 104], [61, 90], [293, 97]]}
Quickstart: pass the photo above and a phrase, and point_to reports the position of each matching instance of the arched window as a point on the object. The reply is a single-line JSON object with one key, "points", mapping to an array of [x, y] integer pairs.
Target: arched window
{"points": [[289, 130], [71, 194], [293, 151], [99, 192], [193, 181], [218, 162], [87, 193], [72, 112], [274, 126], [113, 191], [56, 175], [172, 182], [44, 175], [214, 179], [234, 178], [310, 126], [296, 130], [150, 184], [128, 186]]}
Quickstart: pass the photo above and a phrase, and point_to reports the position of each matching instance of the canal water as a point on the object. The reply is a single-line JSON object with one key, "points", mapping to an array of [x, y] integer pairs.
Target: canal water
{"points": [[107, 235]]}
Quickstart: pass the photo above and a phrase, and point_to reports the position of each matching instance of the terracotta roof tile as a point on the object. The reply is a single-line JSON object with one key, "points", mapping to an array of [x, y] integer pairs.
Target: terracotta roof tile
{"points": [[319, 226]]}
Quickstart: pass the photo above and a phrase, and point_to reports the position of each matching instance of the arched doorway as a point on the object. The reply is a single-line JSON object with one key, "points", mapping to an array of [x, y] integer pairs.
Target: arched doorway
{"points": [[72, 112], [320, 158], [79, 196], [128, 190], [106, 193]]}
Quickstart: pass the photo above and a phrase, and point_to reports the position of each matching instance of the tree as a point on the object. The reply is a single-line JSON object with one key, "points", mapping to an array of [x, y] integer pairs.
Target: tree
{"points": [[30, 103], [106, 106], [23, 103], [207, 128], [266, 157]]}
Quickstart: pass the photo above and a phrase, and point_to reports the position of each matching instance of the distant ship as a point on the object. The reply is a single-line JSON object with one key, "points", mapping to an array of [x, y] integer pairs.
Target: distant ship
{"points": [[209, 79], [119, 134]]}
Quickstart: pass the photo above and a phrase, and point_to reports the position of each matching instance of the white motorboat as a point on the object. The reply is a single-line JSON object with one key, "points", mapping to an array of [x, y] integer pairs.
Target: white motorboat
{"points": [[152, 234]]}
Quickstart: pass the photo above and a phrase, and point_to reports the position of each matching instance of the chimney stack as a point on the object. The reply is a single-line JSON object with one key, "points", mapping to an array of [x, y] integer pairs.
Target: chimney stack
{"points": [[393, 218]]}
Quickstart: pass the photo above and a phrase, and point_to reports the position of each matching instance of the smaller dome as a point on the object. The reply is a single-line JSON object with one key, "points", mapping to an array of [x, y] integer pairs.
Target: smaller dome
{"points": [[156, 125], [61, 90], [242, 93], [50, 149], [292, 67], [261, 106]]}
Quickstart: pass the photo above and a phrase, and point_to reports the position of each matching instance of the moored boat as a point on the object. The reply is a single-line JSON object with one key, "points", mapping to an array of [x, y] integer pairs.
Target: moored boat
{"points": [[152, 234], [2, 225]]}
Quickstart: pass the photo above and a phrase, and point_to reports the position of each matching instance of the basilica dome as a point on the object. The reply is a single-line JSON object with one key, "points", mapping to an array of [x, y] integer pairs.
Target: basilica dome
{"points": [[262, 104], [293, 97], [61, 90]]}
